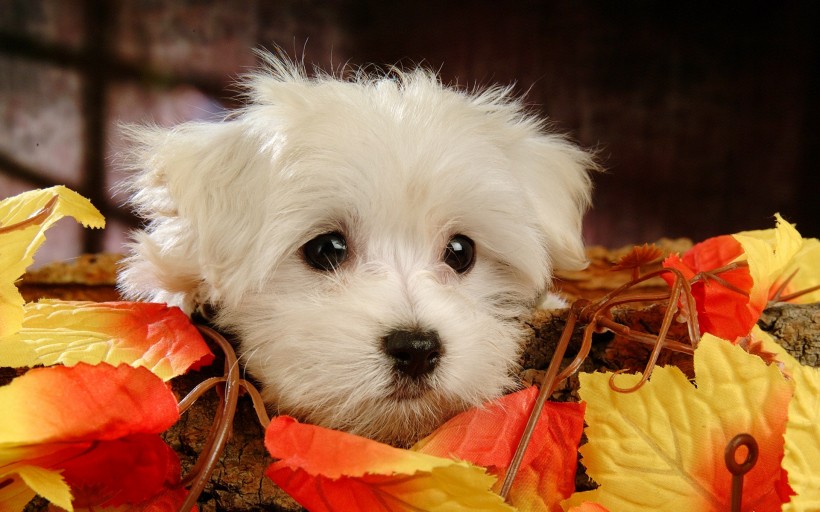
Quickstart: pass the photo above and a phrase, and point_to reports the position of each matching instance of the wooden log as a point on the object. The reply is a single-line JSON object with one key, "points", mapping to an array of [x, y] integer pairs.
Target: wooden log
{"points": [[239, 482]]}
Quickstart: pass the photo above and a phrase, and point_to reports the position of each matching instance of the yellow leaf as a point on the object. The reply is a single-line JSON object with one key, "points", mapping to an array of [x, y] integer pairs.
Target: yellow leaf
{"points": [[802, 452], [802, 438], [155, 336], [806, 268], [48, 484], [661, 447], [14, 494], [23, 221], [773, 254]]}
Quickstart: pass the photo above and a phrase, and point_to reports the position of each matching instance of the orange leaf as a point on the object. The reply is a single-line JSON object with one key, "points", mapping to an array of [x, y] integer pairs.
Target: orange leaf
{"points": [[91, 427], [722, 311], [328, 470], [156, 336], [488, 436], [84, 403]]}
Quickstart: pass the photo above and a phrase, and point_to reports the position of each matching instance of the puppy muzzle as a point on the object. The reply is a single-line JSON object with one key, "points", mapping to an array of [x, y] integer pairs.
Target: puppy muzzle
{"points": [[415, 353]]}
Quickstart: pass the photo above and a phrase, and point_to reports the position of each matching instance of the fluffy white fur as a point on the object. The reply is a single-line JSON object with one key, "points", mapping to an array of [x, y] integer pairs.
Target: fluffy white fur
{"points": [[398, 163]]}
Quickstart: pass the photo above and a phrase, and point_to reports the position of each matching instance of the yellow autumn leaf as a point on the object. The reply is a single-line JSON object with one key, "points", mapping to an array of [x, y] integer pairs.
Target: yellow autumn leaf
{"points": [[773, 254], [48, 484], [662, 447], [802, 438], [21, 482], [806, 269], [15, 494], [24, 219], [802, 451], [155, 336]]}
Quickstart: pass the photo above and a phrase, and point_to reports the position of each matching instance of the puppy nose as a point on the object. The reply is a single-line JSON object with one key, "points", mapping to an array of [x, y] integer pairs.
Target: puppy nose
{"points": [[415, 353]]}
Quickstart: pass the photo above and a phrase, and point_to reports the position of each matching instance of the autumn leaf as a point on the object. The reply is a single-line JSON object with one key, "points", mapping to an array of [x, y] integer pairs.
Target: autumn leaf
{"points": [[156, 336], [722, 300], [87, 429], [662, 447], [129, 470], [588, 506], [92, 403], [769, 253], [779, 253], [729, 303], [804, 270], [802, 440], [326, 470], [24, 219], [18, 487], [488, 436]]}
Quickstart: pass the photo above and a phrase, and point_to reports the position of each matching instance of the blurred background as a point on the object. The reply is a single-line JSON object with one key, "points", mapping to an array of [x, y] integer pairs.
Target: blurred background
{"points": [[703, 113]]}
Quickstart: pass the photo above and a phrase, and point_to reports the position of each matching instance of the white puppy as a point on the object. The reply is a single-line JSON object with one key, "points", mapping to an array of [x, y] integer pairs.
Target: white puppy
{"points": [[372, 241]]}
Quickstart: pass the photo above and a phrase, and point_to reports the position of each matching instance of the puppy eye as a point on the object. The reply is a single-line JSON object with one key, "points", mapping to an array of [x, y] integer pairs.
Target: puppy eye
{"points": [[325, 252], [460, 253]]}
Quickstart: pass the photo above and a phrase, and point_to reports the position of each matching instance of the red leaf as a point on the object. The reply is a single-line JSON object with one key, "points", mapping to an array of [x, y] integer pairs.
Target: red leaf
{"points": [[488, 436], [130, 470], [722, 311]]}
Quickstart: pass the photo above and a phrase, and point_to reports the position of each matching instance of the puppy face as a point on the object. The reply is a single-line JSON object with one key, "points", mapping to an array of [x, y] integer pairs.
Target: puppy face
{"points": [[372, 242]]}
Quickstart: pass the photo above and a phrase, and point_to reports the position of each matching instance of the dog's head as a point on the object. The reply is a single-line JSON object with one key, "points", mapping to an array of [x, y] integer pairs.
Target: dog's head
{"points": [[372, 241]]}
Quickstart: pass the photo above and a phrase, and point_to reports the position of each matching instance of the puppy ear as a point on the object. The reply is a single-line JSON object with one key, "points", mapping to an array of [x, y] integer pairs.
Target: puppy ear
{"points": [[201, 224], [556, 178]]}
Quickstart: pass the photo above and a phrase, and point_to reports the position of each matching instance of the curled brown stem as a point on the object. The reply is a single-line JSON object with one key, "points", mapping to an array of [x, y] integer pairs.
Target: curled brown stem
{"points": [[258, 403], [668, 316], [714, 275], [777, 296], [220, 431], [195, 394], [644, 338]]}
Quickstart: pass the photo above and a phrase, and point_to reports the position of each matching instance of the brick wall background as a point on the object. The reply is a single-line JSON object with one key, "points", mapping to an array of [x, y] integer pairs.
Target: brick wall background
{"points": [[704, 113]]}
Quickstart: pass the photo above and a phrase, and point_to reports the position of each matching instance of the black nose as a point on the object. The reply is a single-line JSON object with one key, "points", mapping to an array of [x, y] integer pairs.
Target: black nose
{"points": [[415, 353]]}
